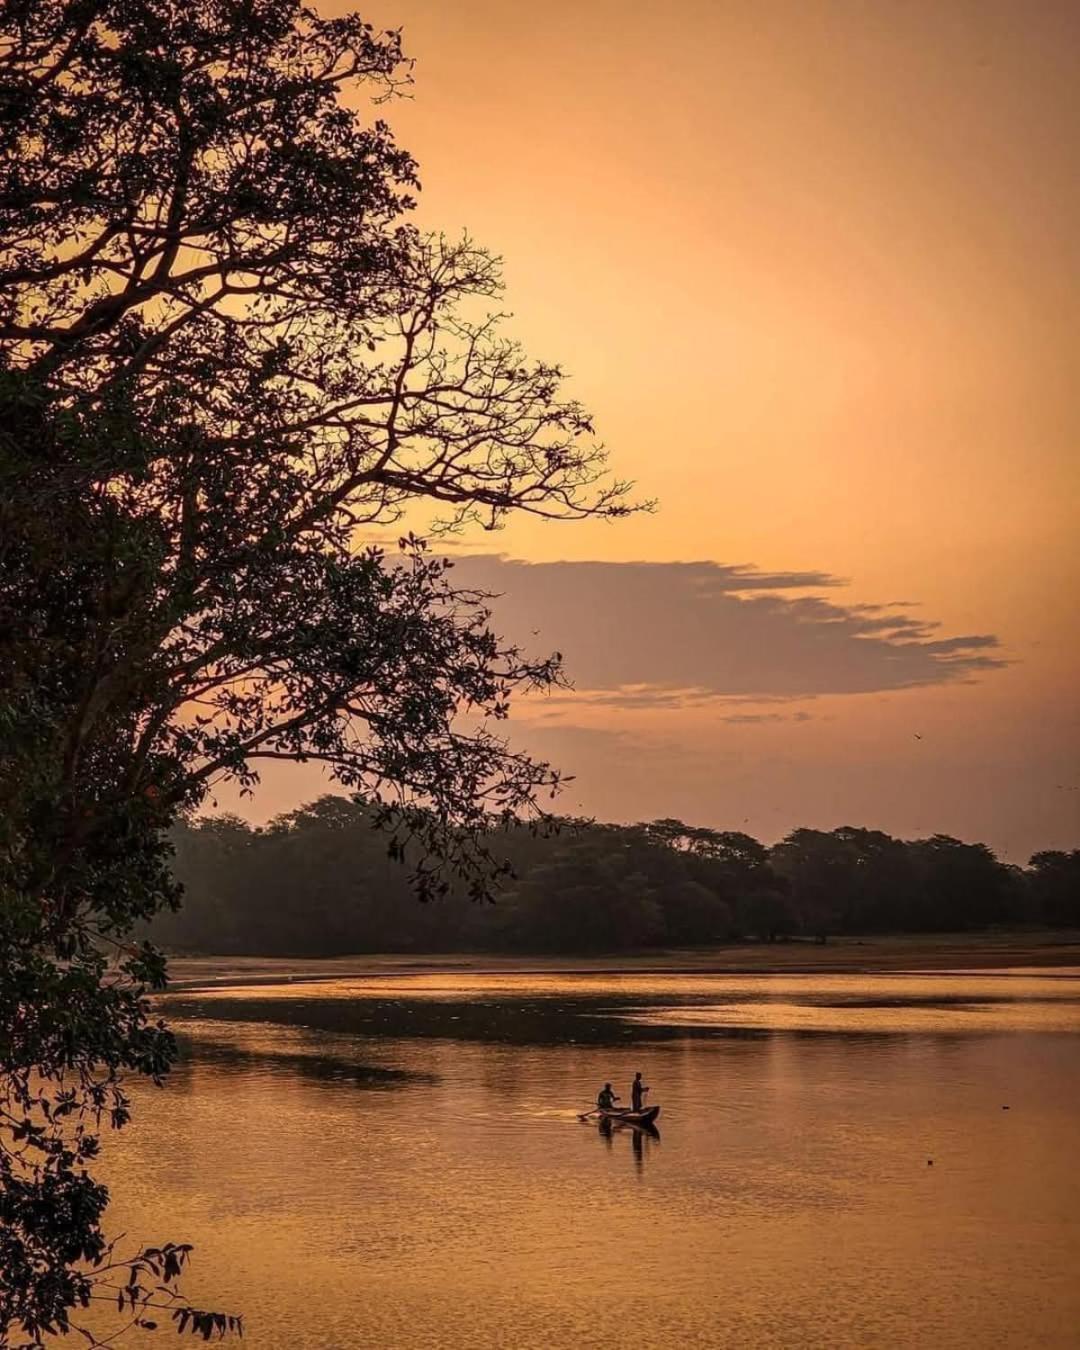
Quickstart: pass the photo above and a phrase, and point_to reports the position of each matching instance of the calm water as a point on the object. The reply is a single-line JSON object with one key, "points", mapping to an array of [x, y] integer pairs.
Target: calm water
{"points": [[397, 1162]]}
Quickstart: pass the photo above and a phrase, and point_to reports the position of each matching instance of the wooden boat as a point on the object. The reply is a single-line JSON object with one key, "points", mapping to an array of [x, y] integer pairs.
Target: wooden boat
{"points": [[626, 1116]]}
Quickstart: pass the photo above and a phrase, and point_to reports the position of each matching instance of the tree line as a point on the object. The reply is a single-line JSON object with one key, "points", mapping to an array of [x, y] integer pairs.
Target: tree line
{"points": [[321, 881]]}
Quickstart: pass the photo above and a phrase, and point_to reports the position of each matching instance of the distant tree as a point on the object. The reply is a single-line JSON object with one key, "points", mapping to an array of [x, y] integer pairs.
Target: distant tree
{"points": [[731, 847], [223, 353], [770, 914], [862, 881], [820, 871], [695, 913], [1055, 886], [963, 885], [212, 862], [881, 890], [589, 897], [718, 871], [317, 882]]}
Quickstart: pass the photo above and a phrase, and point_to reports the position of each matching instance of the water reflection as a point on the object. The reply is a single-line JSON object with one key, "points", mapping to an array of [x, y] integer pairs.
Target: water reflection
{"points": [[591, 1010], [642, 1137], [210, 1047], [406, 1159]]}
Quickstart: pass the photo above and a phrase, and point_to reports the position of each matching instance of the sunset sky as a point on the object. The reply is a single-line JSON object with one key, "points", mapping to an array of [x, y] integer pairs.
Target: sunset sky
{"points": [[812, 264]]}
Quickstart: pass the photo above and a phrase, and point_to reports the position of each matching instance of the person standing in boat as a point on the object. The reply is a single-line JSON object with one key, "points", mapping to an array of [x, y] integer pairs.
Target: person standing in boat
{"points": [[637, 1093], [606, 1099]]}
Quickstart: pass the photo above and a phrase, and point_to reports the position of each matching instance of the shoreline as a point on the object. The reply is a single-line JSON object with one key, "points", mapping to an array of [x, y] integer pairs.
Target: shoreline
{"points": [[907, 955]]}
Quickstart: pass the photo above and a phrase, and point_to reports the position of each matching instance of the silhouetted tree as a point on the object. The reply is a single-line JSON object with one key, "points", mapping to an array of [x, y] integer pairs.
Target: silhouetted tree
{"points": [[769, 913], [223, 352], [880, 886], [317, 882], [587, 897], [962, 885], [819, 869], [1055, 886]]}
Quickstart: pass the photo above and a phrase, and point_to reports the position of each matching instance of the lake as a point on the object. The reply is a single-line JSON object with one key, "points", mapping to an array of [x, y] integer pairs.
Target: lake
{"points": [[842, 1161]]}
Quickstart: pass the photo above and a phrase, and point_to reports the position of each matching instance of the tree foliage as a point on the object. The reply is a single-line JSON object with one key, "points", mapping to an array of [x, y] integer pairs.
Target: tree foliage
{"points": [[225, 353], [315, 882], [1055, 886]]}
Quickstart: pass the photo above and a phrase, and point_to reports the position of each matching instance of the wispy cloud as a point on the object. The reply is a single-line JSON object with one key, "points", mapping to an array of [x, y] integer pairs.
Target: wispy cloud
{"points": [[658, 635]]}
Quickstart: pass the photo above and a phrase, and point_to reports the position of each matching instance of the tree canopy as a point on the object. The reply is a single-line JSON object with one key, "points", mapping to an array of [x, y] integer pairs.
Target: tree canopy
{"points": [[226, 355], [316, 882]]}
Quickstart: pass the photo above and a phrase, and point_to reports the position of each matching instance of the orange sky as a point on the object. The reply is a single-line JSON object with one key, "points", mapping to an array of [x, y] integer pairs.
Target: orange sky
{"points": [[812, 264]]}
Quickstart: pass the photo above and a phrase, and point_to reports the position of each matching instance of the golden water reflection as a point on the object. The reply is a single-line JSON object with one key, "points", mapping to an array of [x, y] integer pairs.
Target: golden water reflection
{"points": [[400, 1163]]}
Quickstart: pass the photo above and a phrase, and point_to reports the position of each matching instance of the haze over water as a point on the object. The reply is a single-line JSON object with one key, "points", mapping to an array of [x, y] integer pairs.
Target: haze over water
{"points": [[398, 1161]]}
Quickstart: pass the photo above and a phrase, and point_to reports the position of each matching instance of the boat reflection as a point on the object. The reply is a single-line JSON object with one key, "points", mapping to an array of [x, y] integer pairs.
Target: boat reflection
{"points": [[643, 1137]]}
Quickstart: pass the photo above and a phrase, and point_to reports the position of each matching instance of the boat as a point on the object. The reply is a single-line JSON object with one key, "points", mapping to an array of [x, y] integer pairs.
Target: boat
{"points": [[627, 1116]]}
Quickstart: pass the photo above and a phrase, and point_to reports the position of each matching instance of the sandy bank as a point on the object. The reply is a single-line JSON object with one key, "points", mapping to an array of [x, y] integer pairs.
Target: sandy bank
{"points": [[964, 951]]}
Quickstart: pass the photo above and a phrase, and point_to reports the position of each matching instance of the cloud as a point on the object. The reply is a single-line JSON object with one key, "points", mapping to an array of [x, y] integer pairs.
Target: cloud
{"points": [[754, 719], [640, 634]]}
